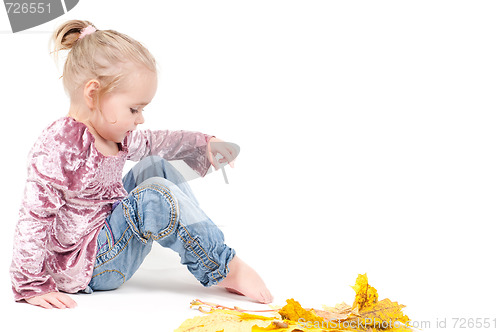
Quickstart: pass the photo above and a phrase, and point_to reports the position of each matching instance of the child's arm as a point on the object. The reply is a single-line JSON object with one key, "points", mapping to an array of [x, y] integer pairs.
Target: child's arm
{"points": [[39, 208], [44, 195], [171, 145]]}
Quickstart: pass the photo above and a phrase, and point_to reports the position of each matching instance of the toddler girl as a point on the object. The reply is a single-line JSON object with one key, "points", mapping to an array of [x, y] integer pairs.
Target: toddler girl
{"points": [[81, 227]]}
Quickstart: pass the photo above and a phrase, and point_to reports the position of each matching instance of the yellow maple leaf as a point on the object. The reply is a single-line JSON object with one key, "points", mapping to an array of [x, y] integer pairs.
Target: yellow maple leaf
{"points": [[366, 314], [384, 315], [293, 311], [366, 295], [380, 315], [340, 312], [292, 328], [224, 320]]}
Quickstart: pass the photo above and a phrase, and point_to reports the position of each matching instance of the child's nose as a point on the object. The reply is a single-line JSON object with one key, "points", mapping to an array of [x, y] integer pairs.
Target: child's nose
{"points": [[139, 119]]}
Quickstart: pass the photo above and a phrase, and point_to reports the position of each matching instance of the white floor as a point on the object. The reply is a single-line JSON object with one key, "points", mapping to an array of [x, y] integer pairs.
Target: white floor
{"points": [[158, 296], [441, 272]]}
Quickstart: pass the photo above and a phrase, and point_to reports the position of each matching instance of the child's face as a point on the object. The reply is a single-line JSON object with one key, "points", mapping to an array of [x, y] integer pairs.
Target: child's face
{"points": [[126, 106]]}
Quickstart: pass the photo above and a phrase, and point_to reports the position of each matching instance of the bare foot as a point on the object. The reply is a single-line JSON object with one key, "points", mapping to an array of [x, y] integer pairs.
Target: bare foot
{"points": [[234, 291], [243, 280]]}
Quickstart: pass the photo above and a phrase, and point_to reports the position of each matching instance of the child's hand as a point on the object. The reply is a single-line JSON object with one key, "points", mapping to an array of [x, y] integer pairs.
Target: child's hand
{"points": [[229, 151], [52, 300]]}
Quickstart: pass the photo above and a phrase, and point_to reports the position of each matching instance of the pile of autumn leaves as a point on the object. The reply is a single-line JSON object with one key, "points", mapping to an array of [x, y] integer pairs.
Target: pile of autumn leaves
{"points": [[366, 314]]}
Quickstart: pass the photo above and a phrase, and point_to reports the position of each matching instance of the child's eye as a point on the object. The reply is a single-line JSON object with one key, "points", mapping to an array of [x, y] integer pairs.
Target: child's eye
{"points": [[134, 110]]}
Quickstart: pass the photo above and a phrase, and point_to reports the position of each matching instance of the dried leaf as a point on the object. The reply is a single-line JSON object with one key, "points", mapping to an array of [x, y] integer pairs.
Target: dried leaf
{"points": [[366, 314], [224, 320], [340, 312], [293, 311], [339, 308], [366, 295], [384, 313]]}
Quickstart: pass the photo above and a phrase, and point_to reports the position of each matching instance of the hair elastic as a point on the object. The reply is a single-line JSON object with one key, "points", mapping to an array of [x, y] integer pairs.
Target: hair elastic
{"points": [[87, 31]]}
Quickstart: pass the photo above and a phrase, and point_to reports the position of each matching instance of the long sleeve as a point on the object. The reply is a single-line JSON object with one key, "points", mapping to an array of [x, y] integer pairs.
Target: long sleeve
{"points": [[191, 147], [39, 208]]}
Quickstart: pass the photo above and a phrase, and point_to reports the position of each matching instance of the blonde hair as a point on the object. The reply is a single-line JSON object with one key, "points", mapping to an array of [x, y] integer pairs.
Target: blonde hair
{"points": [[99, 55]]}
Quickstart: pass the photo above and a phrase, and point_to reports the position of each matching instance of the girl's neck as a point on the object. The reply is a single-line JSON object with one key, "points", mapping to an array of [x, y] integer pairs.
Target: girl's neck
{"points": [[105, 147]]}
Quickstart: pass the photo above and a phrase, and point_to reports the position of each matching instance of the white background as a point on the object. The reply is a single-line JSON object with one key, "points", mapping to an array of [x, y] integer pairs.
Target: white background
{"points": [[369, 134]]}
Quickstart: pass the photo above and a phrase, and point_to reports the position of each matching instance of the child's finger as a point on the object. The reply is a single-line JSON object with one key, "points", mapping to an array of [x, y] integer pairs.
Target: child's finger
{"points": [[56, 303], [227, 156], [39, 302], [67, 301], [44, 304], [224, 160]]}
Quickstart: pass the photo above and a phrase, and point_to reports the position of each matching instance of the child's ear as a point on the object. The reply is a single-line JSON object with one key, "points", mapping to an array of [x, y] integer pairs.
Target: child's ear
{"points": [[90, 93]]}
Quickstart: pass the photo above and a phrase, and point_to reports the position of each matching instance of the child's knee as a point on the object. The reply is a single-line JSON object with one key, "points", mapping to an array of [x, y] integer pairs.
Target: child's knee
{"points": [[149, 167], [157, 185], [155, 166], [155, 209]]}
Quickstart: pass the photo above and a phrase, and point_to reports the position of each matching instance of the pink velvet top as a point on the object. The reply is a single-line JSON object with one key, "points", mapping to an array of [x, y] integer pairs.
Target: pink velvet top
{"points": [[69, 192]]}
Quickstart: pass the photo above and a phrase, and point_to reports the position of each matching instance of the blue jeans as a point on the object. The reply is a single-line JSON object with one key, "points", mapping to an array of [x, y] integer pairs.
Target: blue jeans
{"points": [[160, 206]]}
